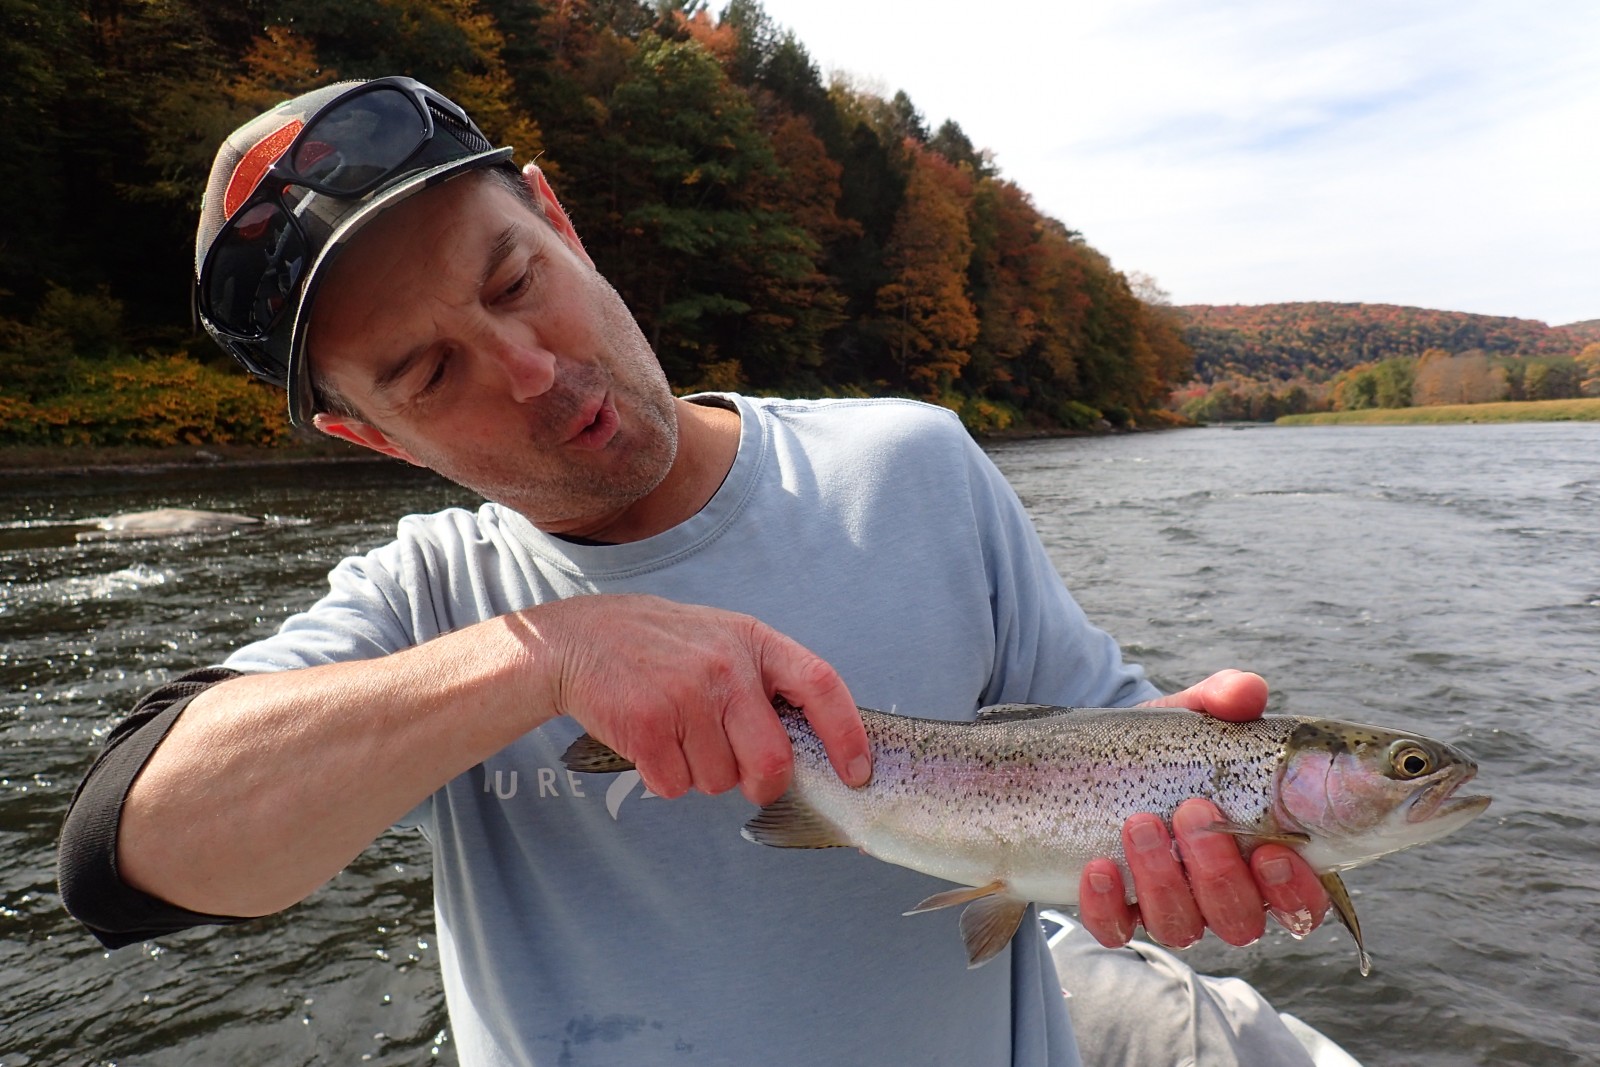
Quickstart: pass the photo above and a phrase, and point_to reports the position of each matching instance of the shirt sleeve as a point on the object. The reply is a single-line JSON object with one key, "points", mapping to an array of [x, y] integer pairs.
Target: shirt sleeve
{"points": [[1047, 650], [86, 859]]}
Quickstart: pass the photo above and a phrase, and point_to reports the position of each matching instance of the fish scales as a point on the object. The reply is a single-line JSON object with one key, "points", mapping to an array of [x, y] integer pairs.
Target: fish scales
{"points": [[994, 797]]}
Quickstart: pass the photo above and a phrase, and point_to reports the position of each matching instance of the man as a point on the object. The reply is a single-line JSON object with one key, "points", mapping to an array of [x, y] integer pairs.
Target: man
{"points": [[651, 570]]}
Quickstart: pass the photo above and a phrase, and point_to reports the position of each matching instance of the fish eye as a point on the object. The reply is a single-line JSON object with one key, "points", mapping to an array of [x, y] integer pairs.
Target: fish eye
{"points": [[1409, 761]]}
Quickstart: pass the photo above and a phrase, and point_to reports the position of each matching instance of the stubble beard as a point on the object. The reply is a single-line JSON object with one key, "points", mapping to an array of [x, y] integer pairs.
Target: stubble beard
{"points": [[643, 452]]}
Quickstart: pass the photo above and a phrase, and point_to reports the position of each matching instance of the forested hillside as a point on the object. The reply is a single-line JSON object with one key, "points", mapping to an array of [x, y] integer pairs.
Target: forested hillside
{"points": [[1319, 340], [770, 231], [1261, 362]]}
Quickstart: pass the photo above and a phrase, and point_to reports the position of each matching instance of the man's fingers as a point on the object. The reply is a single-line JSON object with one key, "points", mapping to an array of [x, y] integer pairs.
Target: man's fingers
{"points": [[1293, 892], [806, 681], [663, 768], [1103, 906], [1223, 886], [1165, 903], [708, 749], [761, 747], [1237, 696]]}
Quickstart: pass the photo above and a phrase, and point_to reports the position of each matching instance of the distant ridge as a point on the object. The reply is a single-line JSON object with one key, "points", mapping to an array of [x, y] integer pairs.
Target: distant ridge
{"points": [[1319, 339]]}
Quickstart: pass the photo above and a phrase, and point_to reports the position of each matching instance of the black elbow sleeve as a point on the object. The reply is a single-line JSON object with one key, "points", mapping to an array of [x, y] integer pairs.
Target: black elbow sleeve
{"points": [[86, 858]]}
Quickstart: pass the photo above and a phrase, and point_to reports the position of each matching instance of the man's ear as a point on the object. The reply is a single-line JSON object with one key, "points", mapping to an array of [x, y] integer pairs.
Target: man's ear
{"points": [[553, 211], [361, 433]]}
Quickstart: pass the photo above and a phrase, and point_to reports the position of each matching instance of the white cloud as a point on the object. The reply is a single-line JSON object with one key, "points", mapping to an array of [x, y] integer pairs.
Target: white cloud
{"points": [[1444, 154]]}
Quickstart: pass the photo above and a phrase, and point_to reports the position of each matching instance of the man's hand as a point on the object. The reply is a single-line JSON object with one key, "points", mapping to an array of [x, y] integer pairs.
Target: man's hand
{"points": [[1211, 885], [685, 692]]}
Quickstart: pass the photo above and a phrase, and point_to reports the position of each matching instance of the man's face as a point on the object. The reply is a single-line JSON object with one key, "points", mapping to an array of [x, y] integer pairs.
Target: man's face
{"points": [[478, 340]]}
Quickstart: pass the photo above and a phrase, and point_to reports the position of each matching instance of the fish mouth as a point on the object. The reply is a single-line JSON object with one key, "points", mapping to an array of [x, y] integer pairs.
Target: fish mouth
{"points": [[1439, 801]]}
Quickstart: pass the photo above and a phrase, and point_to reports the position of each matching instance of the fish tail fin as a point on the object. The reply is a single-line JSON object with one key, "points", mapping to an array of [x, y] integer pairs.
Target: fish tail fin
{"points": [[592, 756], [790, 822], [1347, 915]]}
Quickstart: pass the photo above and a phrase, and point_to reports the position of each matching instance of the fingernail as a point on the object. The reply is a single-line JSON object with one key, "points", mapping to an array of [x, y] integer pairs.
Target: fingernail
{"points": [[1101, 882], [1276, 871], [1147, 836], [860, 770]]}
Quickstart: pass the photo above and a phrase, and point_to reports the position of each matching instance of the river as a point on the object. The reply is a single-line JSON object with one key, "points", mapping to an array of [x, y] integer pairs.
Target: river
{"points": [[1438, 578]]}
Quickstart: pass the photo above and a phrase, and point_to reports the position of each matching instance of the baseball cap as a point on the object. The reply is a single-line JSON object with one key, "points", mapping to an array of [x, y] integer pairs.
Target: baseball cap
{"points": [[291, 187]]}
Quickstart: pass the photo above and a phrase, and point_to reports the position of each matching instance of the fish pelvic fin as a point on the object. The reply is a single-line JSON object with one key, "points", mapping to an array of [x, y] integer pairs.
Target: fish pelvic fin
{"points": [[790, 822], [1347, 915], [592, 756], [988, 924]]}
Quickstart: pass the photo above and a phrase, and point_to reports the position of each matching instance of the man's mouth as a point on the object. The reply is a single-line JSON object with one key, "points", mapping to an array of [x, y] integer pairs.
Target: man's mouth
{"points": [[596, 426]]}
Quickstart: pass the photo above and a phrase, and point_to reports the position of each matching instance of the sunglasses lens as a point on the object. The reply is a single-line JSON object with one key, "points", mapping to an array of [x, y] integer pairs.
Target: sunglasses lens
{"points": [[359, 141], [257, 261]]}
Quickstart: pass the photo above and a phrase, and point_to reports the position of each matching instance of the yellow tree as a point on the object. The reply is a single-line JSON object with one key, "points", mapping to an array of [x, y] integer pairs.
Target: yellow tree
{"points": [[924, 314], [1589, 369]]}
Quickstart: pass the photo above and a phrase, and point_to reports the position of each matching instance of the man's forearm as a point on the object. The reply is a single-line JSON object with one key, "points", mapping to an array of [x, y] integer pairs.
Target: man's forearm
{"points": [[267, 785]]}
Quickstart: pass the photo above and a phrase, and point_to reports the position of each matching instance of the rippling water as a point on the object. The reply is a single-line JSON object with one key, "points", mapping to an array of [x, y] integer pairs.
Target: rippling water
{"points": [[1439, 578]]}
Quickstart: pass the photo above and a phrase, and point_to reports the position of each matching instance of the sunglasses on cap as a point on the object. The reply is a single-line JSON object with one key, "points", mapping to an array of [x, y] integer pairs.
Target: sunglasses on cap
{"points": [[374, 136]]}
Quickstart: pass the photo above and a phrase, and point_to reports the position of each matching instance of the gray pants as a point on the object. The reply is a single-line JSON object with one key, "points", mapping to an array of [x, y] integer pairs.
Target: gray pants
{"points": [[1183, 1019]]}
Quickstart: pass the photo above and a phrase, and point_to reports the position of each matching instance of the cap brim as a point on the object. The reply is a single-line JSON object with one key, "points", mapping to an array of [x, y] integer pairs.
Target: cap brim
{"points": [[302, 405]]}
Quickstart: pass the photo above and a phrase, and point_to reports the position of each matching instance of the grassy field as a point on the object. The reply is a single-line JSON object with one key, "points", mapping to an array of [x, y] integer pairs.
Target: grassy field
{"points": [[1584, 410]]}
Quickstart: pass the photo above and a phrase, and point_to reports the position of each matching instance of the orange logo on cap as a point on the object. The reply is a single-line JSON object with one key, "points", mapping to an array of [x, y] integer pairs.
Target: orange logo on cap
{"points": [[262, 155]]}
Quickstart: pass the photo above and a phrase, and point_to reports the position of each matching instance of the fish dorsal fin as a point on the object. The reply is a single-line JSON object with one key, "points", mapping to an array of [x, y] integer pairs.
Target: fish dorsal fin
{"points": [[1347, 915], [1019, 712], [592, 756], [790, 822], [988, 925]]}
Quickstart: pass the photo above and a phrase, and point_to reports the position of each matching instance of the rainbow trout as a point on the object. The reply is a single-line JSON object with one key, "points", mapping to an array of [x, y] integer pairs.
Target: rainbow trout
{"points": [[1013, 805]]}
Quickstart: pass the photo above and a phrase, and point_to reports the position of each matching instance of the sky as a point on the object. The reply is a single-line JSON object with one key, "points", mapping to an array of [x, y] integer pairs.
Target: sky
{"points": [[1432, 153]]}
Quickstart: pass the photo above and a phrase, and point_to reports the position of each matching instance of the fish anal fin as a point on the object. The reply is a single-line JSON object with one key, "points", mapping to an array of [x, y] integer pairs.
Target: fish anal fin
{"points": [[951, 897], [1347, 915], [790, 822], [988, 924], [593, 756], [1019, 712]]}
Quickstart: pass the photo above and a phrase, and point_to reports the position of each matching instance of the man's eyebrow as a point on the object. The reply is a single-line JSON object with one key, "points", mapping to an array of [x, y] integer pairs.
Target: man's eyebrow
{"points": [[500, 251], [505, 243]]}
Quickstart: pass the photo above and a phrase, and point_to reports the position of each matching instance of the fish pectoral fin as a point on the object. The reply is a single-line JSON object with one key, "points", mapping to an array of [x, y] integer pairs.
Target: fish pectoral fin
{"points": [[1255, 833], [593, 756], [1019, 712], [1347, 915], [951, 897], [988, 924], [790, 822]]}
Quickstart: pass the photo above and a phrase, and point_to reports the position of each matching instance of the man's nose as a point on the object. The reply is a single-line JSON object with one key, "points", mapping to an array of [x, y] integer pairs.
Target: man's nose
{"points": [[528, 367]]}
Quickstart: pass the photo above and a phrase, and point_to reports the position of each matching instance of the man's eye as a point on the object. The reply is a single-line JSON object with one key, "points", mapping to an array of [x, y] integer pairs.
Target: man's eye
{"points": [[523, 282], [435, 379]]}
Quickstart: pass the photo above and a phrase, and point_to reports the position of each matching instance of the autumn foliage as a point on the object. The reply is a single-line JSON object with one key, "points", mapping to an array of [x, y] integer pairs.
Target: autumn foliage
{"points": [[1271, 360], [770, 231]]}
